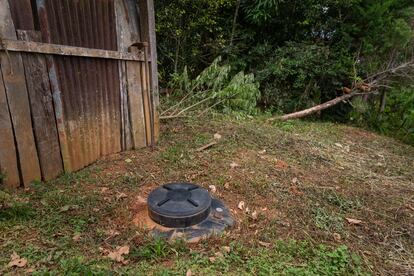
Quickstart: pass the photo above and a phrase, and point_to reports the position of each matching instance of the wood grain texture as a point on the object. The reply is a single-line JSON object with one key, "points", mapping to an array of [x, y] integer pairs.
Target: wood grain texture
{"points": [[8, 154], [147, 102], [124, 40], [147, 27], [43, 115], [136, 104], [128, 33], [18, 101], [65, 50]]}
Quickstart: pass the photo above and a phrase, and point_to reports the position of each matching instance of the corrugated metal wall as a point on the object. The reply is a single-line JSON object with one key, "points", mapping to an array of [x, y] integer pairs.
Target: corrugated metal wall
{"points": [[81, 108], [89, 87]]}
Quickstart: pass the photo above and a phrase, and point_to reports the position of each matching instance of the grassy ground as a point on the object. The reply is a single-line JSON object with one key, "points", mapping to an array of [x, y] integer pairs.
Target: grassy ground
{"points": [[302, 179]]}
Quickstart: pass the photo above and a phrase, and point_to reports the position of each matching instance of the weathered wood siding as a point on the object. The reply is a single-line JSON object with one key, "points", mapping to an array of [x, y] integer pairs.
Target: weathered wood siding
{"points": [[75, 84]]}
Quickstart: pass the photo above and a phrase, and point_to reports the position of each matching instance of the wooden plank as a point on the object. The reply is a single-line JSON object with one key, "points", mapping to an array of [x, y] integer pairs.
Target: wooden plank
{"points": [[64, 50], [17, 97], [147, 103], [43, 115], [147, 27], [56, 89], [126, 128], [136, 105], [8, 154], [127, 35]]}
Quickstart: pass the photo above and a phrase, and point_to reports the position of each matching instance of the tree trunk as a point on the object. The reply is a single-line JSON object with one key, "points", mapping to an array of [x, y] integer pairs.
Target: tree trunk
{"points": [[316, 109], [233, 31], [383, 101]]}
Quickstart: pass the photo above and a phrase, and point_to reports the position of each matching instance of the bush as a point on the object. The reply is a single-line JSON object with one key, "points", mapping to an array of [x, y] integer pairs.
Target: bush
{"points": [[396, 120], [300, 75]]}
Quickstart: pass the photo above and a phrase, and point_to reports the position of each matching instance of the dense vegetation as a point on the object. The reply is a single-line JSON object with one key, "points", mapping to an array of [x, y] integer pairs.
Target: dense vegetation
{"points": [[301, 53]]}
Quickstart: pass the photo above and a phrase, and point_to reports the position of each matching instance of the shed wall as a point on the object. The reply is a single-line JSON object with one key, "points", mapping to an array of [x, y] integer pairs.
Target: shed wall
{"points": [[83, 107]]}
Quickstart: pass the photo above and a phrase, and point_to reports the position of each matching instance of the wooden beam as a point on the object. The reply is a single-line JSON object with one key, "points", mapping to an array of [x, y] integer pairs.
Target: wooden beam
{"points": [[64, 50]]}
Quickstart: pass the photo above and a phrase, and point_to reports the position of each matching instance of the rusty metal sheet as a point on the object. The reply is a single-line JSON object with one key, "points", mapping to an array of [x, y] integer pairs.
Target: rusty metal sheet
{"points": [[89, 87], [21, 12]]}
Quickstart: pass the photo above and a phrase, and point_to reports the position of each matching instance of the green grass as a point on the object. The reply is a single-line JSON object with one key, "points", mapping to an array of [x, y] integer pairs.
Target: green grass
{"points": [[284, 258], [296, 235], [328, 221]]}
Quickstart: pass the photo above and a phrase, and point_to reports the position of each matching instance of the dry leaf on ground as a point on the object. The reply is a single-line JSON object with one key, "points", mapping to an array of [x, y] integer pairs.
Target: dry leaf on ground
{"points": [[241, 205], [265, 244], [219, 255], [353, 221], [117, 255], [254, 215], [140, 199], [213, 189], [121, 196], [234, 165], [112, 233], [76, 237], [16, 261], [337, 237], [217, 136]]}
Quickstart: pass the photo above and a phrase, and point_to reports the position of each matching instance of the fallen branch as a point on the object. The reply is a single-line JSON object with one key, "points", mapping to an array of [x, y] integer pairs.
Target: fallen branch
{"points": [[372, 83], [180, 114], [203, 148], [315, 109]]}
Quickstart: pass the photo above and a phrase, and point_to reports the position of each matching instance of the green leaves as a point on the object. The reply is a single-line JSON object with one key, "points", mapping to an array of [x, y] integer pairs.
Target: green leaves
{"points": [[300, 75], [216, 87]]}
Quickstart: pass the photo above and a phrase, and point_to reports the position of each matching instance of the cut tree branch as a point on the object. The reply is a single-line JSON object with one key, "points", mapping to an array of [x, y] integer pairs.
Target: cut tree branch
{"points": [[315, 109], [373, 82]]}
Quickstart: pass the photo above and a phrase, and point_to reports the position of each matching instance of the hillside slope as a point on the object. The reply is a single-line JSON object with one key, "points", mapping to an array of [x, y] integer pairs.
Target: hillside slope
{"points": [[323, 199]]}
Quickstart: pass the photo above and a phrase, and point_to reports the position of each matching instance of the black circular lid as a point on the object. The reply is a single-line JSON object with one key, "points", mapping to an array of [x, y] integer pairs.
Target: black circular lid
{"points": [[177, 205]]}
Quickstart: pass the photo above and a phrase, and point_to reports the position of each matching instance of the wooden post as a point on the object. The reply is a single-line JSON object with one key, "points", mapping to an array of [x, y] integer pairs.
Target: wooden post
{"points": [[130, 77], [123, 42], [147, 24], [18, 101]]}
